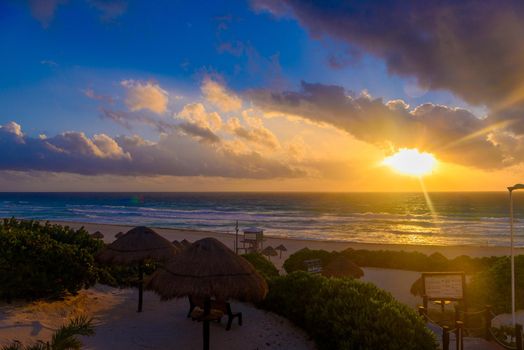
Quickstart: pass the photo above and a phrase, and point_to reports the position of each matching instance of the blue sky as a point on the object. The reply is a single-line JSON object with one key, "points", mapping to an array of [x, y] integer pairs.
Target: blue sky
{"points": [[75, 66]]}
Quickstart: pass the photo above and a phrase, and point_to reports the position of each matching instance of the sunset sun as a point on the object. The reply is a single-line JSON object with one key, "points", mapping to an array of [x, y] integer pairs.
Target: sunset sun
{"points": [[411, 162]]}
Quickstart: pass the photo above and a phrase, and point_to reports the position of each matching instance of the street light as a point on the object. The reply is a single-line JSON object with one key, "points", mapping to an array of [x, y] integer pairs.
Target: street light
{"points": [[511, 189]]}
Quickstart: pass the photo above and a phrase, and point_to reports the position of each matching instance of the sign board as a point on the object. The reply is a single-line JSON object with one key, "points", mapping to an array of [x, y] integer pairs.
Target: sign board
{"points": [[443, 285]]}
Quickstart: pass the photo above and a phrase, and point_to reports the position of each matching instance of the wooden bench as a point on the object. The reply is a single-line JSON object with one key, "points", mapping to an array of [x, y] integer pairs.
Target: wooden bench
{"points": [[218, 310]]}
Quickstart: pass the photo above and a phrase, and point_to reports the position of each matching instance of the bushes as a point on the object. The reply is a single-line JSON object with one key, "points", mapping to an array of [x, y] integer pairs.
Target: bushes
{"points": [[45, 260], [493, 286], [413, 261], [262, 265], [347, 314]]}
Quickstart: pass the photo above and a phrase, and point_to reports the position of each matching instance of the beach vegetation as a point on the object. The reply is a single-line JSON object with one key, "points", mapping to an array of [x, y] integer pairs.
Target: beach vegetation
{"points": [[265, 267], [64, 338], [44, 260], [343, 313]]}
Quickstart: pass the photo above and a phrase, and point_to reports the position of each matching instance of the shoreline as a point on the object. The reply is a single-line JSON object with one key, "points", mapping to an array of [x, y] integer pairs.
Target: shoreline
{"points": [[294, 244]]}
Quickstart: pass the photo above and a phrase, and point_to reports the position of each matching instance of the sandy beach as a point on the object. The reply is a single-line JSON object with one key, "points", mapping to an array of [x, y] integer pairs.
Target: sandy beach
{"points": [[163, 324]]}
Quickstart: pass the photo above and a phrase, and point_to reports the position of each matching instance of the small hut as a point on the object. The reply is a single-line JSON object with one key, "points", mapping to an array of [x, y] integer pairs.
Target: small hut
{"points": [[137, 246], [97, 235], [269, 251], [281, 248], [178, 245], [185, 243], [341, 266], [253, 239], [208, 269], [119, 234]]}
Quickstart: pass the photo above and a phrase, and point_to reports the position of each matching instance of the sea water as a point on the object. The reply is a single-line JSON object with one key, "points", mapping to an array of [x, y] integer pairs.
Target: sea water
{"points": [[471, 218]]}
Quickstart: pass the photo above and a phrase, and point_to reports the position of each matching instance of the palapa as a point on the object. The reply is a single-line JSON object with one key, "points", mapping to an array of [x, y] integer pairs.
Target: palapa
{"points": [[185, 243], [97, 235], [135, 247], [208, 269], [341, 266], [178, 245], [281, 248], [119, 234], [269, 251]]}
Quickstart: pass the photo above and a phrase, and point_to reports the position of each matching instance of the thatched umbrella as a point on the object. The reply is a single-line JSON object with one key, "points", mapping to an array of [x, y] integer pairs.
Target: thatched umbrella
{"points": [[185, 243], [97, 235], [119, 234], [281, 248], [208, 269], [135, 247], [178, 245], [341, 266], [269, 251]]}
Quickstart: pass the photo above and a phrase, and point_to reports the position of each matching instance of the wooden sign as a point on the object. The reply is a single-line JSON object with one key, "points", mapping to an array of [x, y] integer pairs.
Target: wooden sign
{"points": [[444, 285]]}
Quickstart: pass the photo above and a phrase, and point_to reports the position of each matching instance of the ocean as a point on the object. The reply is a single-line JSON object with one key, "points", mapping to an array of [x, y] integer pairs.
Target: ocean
{"points": [[471, 218]]}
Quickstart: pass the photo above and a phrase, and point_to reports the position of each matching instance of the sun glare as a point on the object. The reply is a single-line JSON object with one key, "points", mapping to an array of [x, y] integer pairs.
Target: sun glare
{"points": [[411, 162]]}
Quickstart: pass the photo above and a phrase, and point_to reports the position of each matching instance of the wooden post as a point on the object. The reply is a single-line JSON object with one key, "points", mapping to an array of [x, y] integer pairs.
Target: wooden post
{"points": [[207, 311], [425, 302], [140, 286], [518, 336], [423, 312], [445, 338], [487, 322], [459, 335], [457, 314]]}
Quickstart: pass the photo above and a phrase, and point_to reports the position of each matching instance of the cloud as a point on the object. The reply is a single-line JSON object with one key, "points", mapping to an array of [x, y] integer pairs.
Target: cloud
{"points": [[174, 154], [219, 96], [44, 10], [145, 96], [255, 132], [109, 9], [454, 134], [90, 93], [196, 113], [127, 120], [471, 48]]}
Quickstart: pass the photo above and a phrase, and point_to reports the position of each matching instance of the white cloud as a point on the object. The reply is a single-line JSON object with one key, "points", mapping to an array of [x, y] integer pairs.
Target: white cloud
{"points": [[219, 96], [145, 95]]}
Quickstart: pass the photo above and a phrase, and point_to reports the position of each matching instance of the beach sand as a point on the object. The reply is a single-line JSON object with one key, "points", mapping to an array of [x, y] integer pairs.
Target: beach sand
{"points": [[164, 325]]}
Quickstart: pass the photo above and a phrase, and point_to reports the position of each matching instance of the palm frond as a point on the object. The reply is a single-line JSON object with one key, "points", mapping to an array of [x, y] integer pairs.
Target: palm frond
{"points": [[65, 337]]}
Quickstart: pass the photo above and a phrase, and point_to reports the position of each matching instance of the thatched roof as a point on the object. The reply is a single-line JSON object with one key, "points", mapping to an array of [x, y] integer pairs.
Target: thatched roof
{"points": [[282, 248], [119, 234], [269, 251], [178, 245], [185, 243], [208, 269], [341, 266], [417, 288], [97, 235], [138, 244]]}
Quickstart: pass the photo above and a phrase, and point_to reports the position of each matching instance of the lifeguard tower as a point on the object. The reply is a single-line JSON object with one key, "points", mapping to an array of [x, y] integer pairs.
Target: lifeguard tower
{"points": [[253, 241]]}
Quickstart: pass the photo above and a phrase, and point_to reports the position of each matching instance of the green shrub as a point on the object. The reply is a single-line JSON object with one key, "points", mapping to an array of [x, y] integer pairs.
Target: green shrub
{"points": [[43, 260], [347, 314], [262, 265], [391, 259], [295, 262], [493, 286]]}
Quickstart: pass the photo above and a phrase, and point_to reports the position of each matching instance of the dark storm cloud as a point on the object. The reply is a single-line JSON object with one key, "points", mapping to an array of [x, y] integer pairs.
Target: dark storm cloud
{"points": [[455, 134], [174, 154]]}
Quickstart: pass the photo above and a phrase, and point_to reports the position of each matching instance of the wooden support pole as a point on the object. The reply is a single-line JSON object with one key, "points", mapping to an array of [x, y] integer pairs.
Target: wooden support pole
{"points": [[459, 335], [140, 286], [207, 311], [518, 336], [423, 312], [487, 322], [445, 338]]}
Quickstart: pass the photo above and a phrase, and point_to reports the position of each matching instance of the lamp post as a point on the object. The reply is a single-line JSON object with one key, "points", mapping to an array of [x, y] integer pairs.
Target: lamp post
{"points": [[511, 189]]}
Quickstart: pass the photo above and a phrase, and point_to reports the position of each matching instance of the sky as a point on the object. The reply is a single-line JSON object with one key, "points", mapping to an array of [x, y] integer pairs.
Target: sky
{"points": [[116, 95]]}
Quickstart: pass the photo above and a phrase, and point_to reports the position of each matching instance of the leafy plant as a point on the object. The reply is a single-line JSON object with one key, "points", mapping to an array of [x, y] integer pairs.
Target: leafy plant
{"points": [[65, 338], [343, 313], [262, 265]]}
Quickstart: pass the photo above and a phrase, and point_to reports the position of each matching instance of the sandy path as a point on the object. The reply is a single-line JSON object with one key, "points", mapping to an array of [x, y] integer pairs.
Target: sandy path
{"points": [[162, 325]]}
